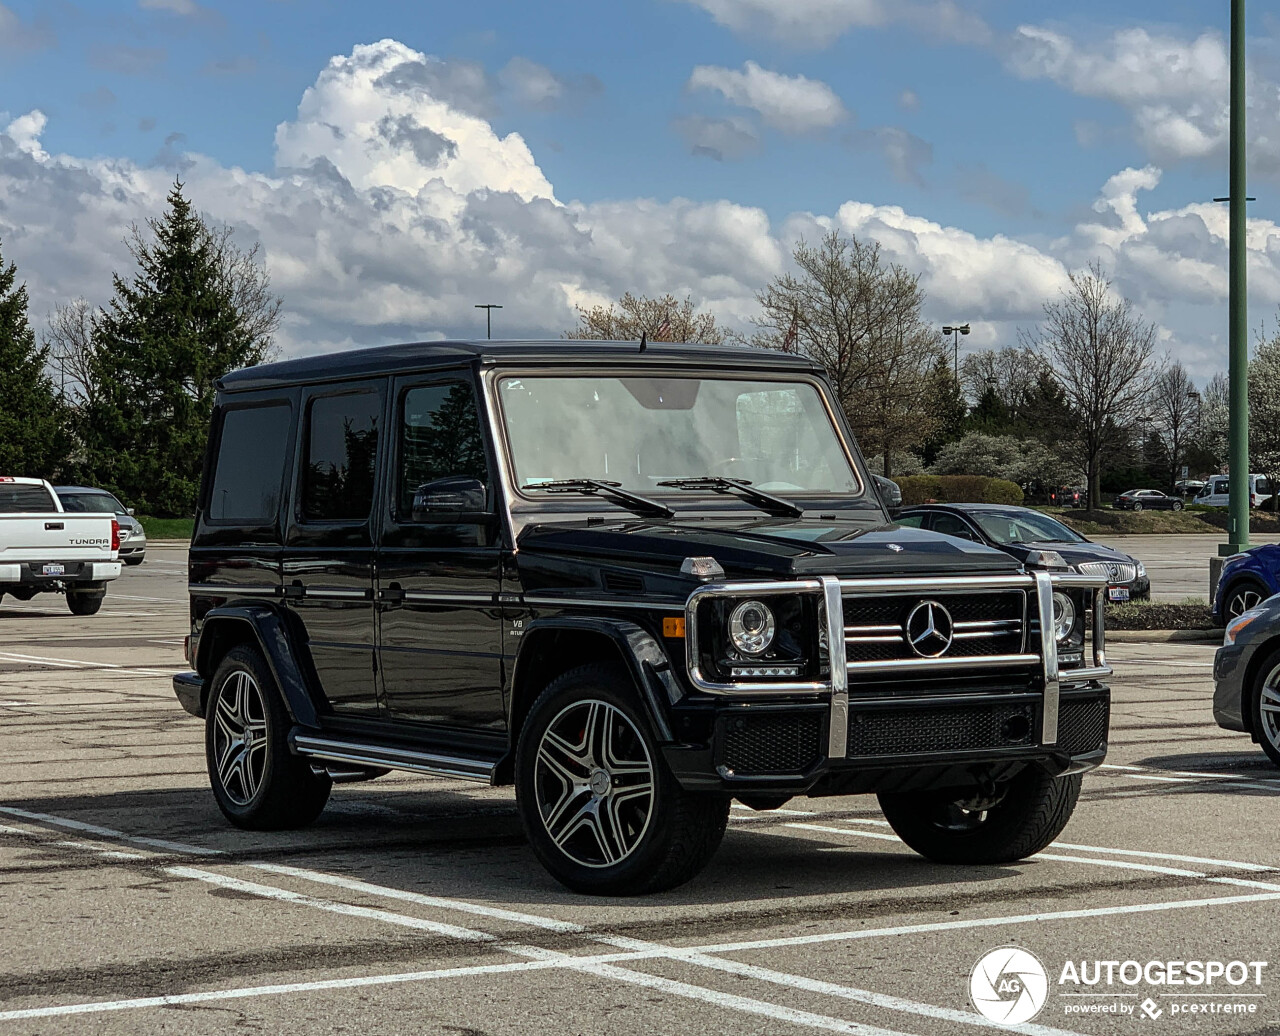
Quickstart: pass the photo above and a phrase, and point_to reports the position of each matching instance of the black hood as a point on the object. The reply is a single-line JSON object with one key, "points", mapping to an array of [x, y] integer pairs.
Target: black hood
{"points": [[1073, 553], [763, 547]]}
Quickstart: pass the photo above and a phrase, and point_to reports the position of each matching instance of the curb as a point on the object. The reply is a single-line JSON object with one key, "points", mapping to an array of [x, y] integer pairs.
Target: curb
{"points": [[1163, 636], [168, 543]]}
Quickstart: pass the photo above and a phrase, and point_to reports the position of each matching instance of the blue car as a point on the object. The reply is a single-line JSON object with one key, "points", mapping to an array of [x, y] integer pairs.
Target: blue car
{"points": [[1247, 580]]}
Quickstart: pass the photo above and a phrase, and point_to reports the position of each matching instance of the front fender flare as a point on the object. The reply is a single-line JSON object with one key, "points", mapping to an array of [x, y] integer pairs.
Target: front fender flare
{"points": [[644, 657], [270, 632]]}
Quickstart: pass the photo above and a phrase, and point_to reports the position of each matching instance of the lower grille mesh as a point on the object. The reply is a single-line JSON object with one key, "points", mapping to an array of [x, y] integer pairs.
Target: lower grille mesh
{"points": [[1082, 724], [951, 729], [772, 743]]}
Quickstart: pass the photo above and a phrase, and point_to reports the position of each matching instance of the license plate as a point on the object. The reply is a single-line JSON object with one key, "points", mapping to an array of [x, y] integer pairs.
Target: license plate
{"points": [[1117, 593], [54, 570]]}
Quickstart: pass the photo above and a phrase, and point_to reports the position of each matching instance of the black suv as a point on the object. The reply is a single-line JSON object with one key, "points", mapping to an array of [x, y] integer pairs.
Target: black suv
{"points": [[633, 582]]}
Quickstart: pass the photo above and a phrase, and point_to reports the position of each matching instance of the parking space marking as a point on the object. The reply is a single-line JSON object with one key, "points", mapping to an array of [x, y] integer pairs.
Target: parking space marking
{"points": [[1175, 857], [1195, 774], [75, 663], [107, 832]]}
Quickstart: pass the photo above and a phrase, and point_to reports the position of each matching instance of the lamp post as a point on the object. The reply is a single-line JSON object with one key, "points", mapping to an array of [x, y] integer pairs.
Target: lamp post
{"points": [[488, 308], [1237, 322], [955, 331]]}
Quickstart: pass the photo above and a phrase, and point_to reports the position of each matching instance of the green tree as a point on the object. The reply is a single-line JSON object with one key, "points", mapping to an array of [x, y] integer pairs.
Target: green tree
{"points": [[950, 411], [33, 440], [991, 415], [171, 330]]}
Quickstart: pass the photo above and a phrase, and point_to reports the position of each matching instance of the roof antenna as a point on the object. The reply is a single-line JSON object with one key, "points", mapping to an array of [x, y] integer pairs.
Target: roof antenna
{"points": [[644, 340]]}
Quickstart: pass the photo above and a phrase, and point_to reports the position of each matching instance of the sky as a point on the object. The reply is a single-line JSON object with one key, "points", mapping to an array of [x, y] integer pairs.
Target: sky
{"points": [[398, 163]]}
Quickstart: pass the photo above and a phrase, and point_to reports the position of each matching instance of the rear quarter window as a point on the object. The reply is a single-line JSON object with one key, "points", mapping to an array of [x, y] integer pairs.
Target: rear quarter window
{"points": [[249, 470]]}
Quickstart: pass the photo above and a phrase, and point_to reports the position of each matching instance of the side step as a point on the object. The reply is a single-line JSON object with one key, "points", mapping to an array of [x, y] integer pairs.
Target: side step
{"points": [[395, 758]]}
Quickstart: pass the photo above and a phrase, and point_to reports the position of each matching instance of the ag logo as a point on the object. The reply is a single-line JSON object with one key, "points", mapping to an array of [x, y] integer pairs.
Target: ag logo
{"points": [[1008, 986]]}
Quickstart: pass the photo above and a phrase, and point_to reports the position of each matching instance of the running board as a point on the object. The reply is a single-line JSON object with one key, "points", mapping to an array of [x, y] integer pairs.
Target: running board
{"points": [[362, 754]]}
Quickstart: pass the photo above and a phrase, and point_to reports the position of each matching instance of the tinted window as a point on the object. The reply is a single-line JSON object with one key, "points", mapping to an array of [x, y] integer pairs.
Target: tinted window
{"points": [[342, 451], [952, 526], [913, 521], [91, 502], [20, 499], [250, 465], [439, 438]]}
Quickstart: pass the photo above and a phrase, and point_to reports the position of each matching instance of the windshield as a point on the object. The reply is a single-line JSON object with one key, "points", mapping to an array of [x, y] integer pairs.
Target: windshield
{"points": [[641, 432], [1025, 528], [91, 503]]}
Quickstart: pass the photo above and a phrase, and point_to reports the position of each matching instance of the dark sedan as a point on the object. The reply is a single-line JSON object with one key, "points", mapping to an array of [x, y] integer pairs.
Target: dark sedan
{"points": [[1246, 676], [1020, 530], [1147, 500]]}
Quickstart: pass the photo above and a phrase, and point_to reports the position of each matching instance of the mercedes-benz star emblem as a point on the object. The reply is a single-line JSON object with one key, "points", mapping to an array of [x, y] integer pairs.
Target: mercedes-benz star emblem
{"points": [[928, 629]]}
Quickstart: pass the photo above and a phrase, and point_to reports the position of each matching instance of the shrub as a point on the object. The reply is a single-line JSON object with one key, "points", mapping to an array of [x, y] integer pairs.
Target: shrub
{"points": [[958, 489]]}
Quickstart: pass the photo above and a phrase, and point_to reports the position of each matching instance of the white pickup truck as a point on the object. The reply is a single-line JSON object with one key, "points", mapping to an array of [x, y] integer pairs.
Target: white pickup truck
{"points": [[44, 549]]}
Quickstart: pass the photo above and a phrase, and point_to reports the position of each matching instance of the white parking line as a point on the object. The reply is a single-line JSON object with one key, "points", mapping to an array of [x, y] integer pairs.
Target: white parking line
{"points": [[108, 832], [74, 663]]}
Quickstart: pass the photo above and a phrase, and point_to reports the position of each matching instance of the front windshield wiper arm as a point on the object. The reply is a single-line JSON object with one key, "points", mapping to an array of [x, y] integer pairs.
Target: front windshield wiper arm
{"points": [[640, 505], [767, 502]]}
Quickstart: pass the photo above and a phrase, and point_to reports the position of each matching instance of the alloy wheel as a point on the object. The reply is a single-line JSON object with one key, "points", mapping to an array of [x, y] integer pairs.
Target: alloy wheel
{"points": [[1241, 601], [594, 783], [1269, 708], [240, 737]]}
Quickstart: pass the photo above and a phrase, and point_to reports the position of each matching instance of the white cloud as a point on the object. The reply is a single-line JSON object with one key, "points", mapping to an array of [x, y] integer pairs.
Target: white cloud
{"points": [[536, 86], [186, 8], [393, 210], [718, 138], [794, 104], [818, 23]]}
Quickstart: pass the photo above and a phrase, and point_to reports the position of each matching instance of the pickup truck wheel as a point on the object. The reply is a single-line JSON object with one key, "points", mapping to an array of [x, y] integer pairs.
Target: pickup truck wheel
{"points": [[84, 603], [1022, 817], [602, 811], [258, 783]]}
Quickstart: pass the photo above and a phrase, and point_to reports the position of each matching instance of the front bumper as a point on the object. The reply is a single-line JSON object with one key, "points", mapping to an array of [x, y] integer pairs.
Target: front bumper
{"points": [[1230, 664]]}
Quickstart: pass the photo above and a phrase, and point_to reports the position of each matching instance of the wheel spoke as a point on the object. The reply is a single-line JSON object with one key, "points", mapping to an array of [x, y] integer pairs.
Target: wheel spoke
{"points": [[252, 768], [593, 822], [566, 760], [561, 829]]}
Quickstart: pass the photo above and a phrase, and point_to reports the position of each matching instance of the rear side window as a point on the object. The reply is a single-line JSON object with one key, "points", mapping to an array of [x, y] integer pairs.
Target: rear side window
{"points": [[250, 466], [24, 499], [341, 457]]}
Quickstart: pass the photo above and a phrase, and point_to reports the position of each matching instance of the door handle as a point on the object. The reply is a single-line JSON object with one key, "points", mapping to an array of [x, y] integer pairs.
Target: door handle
{"points": [[393, 594], [294, 590]]}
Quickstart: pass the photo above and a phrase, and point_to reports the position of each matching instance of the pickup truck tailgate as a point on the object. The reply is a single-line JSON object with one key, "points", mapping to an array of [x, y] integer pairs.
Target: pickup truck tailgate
{"points": [[55, 537]]}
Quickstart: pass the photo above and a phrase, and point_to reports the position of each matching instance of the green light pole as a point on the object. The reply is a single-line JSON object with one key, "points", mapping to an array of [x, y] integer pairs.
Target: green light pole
{"points": [[1237, 327]]}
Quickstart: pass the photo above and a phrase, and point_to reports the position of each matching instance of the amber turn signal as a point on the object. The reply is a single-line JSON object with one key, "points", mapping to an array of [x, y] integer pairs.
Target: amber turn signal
{"points": [[673, 627]]}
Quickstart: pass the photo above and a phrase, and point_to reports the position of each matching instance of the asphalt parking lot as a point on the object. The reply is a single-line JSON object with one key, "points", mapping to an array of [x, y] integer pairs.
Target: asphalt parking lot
{"points": [[1178, 564], [414, 905]]}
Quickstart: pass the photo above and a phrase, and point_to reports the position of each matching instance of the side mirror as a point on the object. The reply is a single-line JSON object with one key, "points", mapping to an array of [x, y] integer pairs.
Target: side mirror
{"points": [[458, 498], [890, 494]]}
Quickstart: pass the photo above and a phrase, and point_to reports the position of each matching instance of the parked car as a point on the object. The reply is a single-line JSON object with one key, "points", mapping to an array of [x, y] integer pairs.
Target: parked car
{"points": [[1188, 488], [82, 499], [1246, 676], [634, 584], [1216, 491], [43, 549], [1147, 500], [1070, 496], [1022, 532], [1247, 579]]}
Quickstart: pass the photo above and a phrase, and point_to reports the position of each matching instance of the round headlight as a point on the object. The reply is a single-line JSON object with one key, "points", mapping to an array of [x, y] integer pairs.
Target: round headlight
{"points": [[1064, 615], [751, 627]]}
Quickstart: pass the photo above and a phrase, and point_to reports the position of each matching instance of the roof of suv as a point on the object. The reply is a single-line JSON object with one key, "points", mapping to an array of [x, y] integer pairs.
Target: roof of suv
{"points": [[390, 359]]}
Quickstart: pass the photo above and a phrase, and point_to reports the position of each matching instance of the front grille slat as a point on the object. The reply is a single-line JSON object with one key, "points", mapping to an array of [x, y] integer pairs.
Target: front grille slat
{"points": [[1112, 571]]}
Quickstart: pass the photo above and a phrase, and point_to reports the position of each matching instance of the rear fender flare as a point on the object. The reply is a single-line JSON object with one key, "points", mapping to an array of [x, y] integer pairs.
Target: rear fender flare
{"points": [[265, 627]]}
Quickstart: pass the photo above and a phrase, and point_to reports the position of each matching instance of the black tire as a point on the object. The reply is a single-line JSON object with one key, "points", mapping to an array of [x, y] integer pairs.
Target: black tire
{"points": [[1240, 597], [1263, 705], [586, 742], [1137, 507], [1177, 505], [134, 560], [1027, 814], [262, 786], [84, 603]]}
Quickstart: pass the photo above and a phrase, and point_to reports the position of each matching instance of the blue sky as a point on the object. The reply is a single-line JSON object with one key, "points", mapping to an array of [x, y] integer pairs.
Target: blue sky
{"points": [[997, 122]]}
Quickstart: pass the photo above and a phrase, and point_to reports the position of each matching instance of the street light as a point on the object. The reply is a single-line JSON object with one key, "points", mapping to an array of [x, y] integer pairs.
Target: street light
{"points": [[488, 308], [955, 332]]}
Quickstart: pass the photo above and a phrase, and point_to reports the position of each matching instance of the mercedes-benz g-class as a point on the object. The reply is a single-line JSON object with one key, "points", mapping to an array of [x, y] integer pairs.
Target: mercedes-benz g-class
{"points": [[634, 582]]}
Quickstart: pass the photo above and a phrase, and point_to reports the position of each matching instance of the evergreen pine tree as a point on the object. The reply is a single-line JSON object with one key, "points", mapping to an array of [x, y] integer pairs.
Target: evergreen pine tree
{"points": [[169, 333], [33, 442]]}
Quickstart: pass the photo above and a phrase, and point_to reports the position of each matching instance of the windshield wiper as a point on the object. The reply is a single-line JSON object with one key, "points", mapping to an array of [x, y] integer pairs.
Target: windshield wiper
{"points": [[634, 502], [767, 502]]}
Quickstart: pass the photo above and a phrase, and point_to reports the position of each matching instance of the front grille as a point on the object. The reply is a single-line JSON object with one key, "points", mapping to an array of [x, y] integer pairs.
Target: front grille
{"points": [[958, 728], [1112, 571], [1082, 724], [771, 743], [983, 623]]}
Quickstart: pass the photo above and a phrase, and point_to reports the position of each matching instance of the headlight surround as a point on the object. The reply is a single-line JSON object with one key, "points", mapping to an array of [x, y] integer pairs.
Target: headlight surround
{"points": [[1064, 615], [752, 628], [1142, 569], [1236, 626]]}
